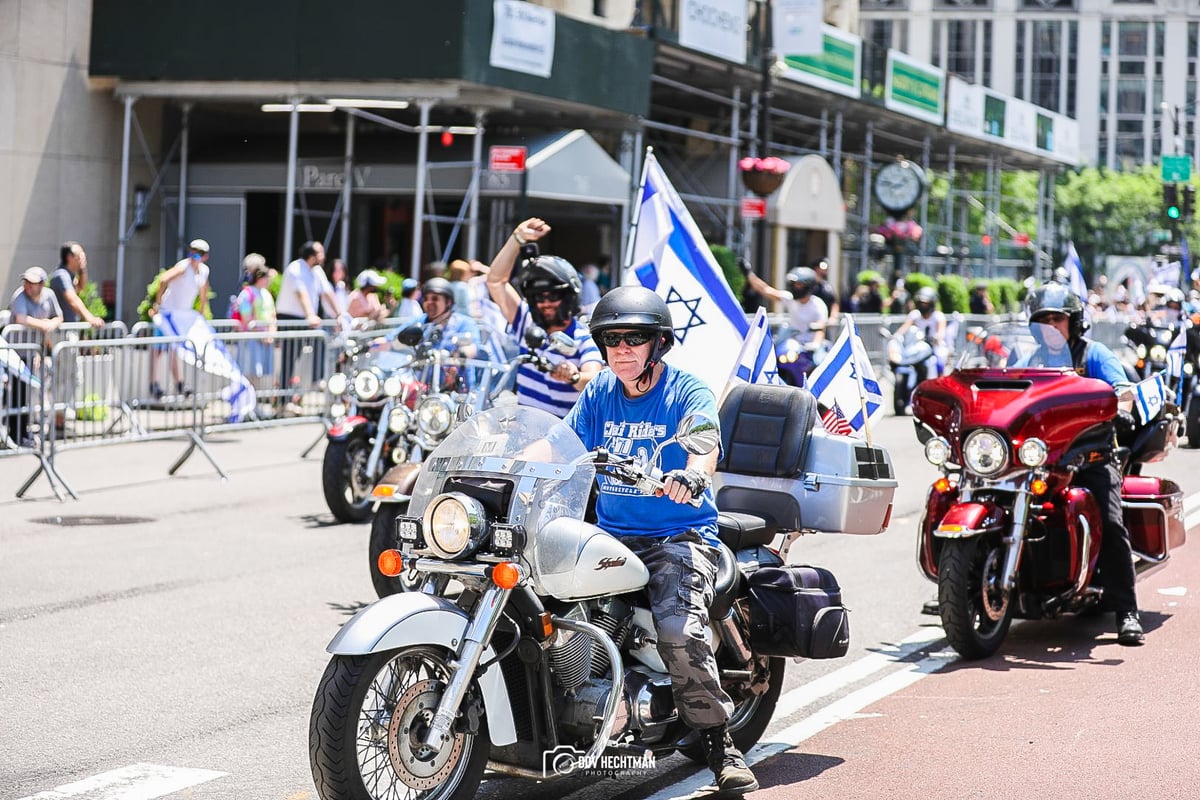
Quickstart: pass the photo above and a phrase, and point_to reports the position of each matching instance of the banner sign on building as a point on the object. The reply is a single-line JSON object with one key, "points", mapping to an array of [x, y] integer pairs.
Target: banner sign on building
{"points": [[837, 68], [522, 38], [796, 26], [989, 115], [915, 88], [717, 27]]}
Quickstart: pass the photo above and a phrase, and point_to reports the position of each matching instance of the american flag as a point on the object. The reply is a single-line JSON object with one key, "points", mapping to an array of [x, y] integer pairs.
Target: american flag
{"points": [[835, 421]]}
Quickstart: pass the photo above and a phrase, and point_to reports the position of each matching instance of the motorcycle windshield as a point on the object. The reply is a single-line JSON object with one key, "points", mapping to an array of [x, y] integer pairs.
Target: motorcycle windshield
{"points": [[1016, 345], [531, 448]]}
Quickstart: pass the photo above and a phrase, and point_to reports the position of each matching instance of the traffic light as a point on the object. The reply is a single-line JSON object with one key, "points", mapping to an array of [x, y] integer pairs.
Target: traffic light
{"points": [[1189, 197], [1171, 201]]}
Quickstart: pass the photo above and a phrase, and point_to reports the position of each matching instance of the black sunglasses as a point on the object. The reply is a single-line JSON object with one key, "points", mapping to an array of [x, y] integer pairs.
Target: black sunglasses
{"points": [[547, 297], [631, 338]]}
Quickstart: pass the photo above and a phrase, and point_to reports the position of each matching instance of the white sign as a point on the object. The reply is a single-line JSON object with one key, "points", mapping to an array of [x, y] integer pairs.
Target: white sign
{"points": [[717, 27], [522, 38], [796, 26], [964, 107], [1020, 124]]}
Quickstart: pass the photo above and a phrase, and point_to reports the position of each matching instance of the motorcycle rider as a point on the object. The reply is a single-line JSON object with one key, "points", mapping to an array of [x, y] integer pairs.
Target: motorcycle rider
{"points": [[548, 298], [804, 309], [630, 408], [931, 322], [1061, 312], [460, 333]]}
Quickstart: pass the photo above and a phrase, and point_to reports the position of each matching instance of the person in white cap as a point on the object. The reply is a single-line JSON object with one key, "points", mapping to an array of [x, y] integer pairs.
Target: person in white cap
{"points": [[35, 307], [365, 304], [179, 289]]}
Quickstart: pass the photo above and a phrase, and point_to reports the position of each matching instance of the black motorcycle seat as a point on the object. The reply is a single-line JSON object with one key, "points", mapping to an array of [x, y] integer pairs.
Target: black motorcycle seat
{"points": [[727, 584], [739, 531], [765, 430]]}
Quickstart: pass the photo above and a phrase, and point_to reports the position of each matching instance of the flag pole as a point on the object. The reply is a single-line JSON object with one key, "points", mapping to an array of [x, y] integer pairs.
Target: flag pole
{"points": [[637, 213], [862, 390]]}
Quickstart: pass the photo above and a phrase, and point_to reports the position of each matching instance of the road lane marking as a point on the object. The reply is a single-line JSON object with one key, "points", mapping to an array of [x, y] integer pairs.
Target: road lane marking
{"points": [[135, 782]]}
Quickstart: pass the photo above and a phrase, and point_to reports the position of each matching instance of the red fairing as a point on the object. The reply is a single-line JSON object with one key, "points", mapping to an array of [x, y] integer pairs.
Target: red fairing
{"points": [[1055, 406], [936, 505], [1072, 504]]}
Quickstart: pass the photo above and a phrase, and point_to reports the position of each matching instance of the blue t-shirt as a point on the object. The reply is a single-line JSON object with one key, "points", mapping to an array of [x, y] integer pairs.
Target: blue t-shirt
{"points": [[536, 388], [1100, 363], [605, 417]]}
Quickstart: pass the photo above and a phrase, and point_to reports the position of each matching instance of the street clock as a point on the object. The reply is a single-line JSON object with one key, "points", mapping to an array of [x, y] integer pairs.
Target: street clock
{"points": [[898, 186]]}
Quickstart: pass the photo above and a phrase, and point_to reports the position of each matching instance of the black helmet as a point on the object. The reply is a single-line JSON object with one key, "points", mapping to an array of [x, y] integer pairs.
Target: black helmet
{"points": [[544, 273], [1055, 298], [634, 307], [801, 281], [925, 299], [438, 286]]}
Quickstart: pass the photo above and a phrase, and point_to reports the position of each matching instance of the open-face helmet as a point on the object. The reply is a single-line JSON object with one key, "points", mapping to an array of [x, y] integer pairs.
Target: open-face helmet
{"points": [[634, 308]]}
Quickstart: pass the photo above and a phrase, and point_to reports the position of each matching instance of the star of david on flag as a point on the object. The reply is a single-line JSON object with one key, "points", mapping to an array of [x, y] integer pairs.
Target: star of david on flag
{"points": [[668, 255], [756, 363], [846, 380]]}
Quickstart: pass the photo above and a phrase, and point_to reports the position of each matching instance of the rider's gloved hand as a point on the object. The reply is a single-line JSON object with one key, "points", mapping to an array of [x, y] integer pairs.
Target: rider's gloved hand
{"points": [[1125, 420], [681, 485]]}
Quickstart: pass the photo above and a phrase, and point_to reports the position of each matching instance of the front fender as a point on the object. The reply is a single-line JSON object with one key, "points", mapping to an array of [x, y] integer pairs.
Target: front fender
{"points": [[344, 428], [413, 618], [969, 519]]}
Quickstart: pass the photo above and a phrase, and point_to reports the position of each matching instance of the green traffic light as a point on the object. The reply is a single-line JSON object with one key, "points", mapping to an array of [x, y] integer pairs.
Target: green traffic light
{"points": [[1173, 212]]}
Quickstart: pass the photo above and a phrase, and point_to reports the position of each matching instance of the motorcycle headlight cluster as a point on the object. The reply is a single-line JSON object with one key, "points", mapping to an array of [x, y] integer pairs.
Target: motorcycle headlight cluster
{"points": [[392, 385], [1158, 353], [366, 384], [1032, 452], [985, 452], [399, 419], [435, 415], [454, 525], [937, 451], [338, 383]]}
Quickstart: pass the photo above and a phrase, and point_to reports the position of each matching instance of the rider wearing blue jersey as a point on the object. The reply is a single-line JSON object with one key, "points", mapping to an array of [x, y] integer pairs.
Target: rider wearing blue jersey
{"points": [[1060, 312], [549, 298], [629, 409]]}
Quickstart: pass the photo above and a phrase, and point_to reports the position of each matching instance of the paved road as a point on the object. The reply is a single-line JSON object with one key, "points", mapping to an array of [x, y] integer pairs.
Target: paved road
{"points": [[193, 640]]}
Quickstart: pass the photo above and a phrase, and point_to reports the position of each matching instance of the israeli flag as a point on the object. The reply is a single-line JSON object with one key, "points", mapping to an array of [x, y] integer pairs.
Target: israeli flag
{"points": [[1149, 397], [13, 364], [201, 341], [668, 255], [1169, 274], [1074, 269], [756, 363], [845, 379]]}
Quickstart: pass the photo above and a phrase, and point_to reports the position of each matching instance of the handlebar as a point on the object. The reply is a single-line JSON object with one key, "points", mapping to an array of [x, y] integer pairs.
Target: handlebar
{"points": [[646, 478]]}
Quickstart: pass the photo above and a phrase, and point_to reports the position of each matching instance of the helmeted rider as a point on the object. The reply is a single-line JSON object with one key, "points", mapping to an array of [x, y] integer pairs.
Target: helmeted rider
{"points": [[549, 298], [1056, 317], [630, 408], [459, 332], [927, 318], [805, 310]]}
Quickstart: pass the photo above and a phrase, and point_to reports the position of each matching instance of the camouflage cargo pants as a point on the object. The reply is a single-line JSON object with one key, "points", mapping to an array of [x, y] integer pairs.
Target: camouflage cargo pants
{"points": [[682, 572]]}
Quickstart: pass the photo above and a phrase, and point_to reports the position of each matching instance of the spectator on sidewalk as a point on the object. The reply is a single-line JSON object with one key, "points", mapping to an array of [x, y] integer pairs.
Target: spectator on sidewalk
{"points": [[68, 281], [303, 289], [36, 307], [364, 306], [254, 311], [183, 287]]}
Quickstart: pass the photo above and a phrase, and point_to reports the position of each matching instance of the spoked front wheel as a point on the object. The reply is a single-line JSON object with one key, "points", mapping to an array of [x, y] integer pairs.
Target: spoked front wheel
{"points": [[367, 730], [976, 611]]}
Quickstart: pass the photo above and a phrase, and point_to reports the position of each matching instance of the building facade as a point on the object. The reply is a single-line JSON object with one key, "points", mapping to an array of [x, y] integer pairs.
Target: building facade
{"points": [[1110, 64]]}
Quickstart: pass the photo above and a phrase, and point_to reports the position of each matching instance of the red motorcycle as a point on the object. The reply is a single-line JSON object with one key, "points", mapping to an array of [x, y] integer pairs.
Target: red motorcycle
{"points": [[1005, 533]]}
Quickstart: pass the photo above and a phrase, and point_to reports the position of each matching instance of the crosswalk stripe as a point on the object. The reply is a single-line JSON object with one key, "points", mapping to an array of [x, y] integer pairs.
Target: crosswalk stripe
{"points": [[135, 782]]}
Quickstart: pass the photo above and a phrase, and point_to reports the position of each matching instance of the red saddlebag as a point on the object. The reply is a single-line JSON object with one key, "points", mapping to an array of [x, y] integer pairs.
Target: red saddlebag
{"points": [[797, 611]]}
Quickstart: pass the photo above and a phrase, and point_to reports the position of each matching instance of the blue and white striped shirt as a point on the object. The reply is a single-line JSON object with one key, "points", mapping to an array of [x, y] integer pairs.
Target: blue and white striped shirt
{"points": [[536, 388]]}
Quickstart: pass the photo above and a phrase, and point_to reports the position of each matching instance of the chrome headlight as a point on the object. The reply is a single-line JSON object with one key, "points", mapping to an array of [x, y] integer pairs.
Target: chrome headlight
{"points": [[1032, 452], [1158, 353], [454, 524], [937, 451], [366, 384], [399, 419], [392, 385], [435, 415], [1141, 351], [985, 452], [338, 383], [337, 410]]}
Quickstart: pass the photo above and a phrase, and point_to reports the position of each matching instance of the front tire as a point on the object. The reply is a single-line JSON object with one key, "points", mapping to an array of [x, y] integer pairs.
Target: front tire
{"points": [[900, 394], [368, 719], [976, 613], [383, 537], [344, 478]]}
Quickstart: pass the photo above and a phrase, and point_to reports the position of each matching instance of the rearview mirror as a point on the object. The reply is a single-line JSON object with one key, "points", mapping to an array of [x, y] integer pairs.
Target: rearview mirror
{"points": [[698, 434], [411, 336]]}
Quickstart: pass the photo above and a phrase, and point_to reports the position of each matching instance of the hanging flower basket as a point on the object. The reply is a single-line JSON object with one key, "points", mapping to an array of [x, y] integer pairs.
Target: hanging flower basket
{"points": [[763, 176]]}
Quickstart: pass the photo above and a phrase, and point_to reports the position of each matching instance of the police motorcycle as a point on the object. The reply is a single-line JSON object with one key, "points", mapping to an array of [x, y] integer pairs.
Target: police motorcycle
{"points": [[912, 360], [435, 416], [1005, 533], [545, 660]]}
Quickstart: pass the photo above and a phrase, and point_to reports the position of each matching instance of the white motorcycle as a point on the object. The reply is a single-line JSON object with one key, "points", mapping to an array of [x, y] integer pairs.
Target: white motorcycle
{"points": [[530, 647]]}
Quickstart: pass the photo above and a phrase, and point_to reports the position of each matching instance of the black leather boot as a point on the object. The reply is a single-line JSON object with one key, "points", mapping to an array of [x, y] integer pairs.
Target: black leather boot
{"points": [[727, 762], [1129, 629]]}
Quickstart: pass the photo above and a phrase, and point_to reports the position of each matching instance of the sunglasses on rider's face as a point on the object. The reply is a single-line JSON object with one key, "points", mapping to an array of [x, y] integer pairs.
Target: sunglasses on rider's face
{"points": [[547, 297], [631, 338]]}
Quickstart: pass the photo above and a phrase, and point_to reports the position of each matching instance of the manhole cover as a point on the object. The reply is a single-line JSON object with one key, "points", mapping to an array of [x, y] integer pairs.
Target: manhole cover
{"points": [[86, 519]]}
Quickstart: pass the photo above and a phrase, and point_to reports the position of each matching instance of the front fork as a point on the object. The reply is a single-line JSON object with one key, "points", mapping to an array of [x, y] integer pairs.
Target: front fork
{"points": [[1014, 542]]}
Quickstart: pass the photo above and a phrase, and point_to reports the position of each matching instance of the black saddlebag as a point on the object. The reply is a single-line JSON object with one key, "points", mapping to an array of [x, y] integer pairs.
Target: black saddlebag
{"points": [[797, 611]]}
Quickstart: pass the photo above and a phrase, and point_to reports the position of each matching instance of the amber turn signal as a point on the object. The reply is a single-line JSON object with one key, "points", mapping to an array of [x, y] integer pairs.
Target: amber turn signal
{"points": [[941, 485], [383, 490], [1038, 487], [547, 625], [391, 563], [506, 575]]}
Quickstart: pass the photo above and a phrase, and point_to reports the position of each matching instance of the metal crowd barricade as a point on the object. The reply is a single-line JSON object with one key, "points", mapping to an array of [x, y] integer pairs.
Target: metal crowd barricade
{"points": [[25, 412]]}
